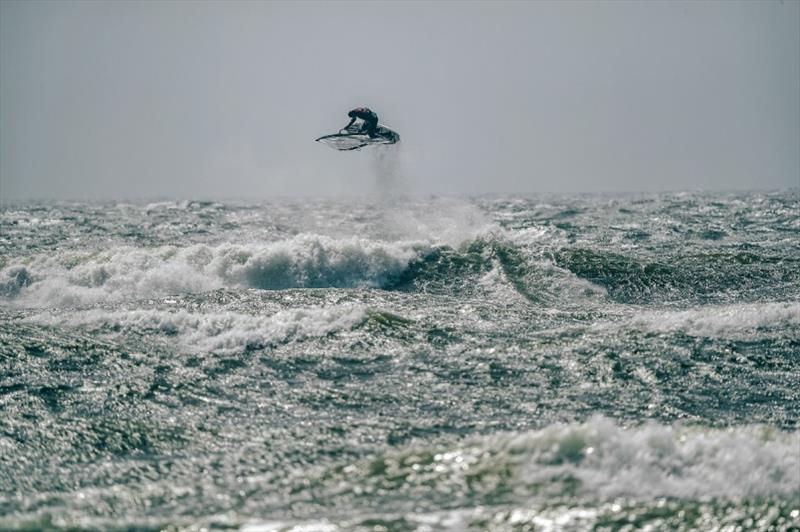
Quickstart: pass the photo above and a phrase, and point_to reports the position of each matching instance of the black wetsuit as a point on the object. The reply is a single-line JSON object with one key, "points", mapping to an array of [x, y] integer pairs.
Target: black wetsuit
{"points": [[369, 117]]}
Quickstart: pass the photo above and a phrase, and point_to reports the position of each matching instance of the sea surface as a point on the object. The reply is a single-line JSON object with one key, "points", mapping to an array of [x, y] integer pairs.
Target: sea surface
{"points": [[402, 364]]}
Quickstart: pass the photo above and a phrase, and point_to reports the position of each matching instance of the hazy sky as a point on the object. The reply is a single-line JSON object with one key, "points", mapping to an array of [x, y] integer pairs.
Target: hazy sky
{"points": [[223, 100]]}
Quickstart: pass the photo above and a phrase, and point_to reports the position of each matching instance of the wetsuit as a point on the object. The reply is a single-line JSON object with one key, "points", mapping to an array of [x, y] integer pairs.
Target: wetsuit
{"points": [[369, 117]]}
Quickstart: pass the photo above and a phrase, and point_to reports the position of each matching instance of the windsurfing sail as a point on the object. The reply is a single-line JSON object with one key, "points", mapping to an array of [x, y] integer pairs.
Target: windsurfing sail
{"points": [[354, 138]]}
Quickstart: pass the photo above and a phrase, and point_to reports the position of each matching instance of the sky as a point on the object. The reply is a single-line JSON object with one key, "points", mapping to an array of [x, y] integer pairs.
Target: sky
{"points": [[206, 100]]}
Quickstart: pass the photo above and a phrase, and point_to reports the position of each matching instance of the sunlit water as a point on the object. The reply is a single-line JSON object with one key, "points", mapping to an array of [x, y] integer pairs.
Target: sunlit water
{"points": [[539, 363]]}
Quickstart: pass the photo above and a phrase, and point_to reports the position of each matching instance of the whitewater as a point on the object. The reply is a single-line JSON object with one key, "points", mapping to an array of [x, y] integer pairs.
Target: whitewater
{"points": [[549, 362]]}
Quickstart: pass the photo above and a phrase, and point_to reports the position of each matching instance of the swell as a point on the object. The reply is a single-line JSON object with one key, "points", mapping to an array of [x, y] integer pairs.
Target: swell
{"points": [[546, 275], [706, 277]]}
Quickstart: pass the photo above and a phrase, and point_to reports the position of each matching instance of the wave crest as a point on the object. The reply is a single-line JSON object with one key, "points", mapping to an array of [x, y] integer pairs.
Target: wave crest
{"points": [[220, 332]]}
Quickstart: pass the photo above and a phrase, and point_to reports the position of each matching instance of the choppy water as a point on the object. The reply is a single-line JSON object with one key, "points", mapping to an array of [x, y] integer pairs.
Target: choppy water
{"points": [[539, 363]]}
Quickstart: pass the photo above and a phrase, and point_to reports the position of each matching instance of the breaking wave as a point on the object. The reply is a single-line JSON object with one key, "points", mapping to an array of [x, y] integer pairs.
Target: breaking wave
{"points": [[306, 261], [594, 460], [727, 321]]}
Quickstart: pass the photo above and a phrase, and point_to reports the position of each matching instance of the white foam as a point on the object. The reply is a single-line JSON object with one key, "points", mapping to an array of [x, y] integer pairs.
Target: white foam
{"points": [[722, 320], [126, 273], [220, 332]]}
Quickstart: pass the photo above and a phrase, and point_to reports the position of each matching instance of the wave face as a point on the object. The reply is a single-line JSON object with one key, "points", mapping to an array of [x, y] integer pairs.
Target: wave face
{"points": [[553, 363]]}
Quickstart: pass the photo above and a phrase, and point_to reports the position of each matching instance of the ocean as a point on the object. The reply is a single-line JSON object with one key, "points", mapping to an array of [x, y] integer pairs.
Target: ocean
{"points": [[547, 362]]}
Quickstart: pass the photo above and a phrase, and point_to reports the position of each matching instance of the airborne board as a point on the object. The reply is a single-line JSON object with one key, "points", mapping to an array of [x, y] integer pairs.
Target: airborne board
{"points": [[354, 139]]}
